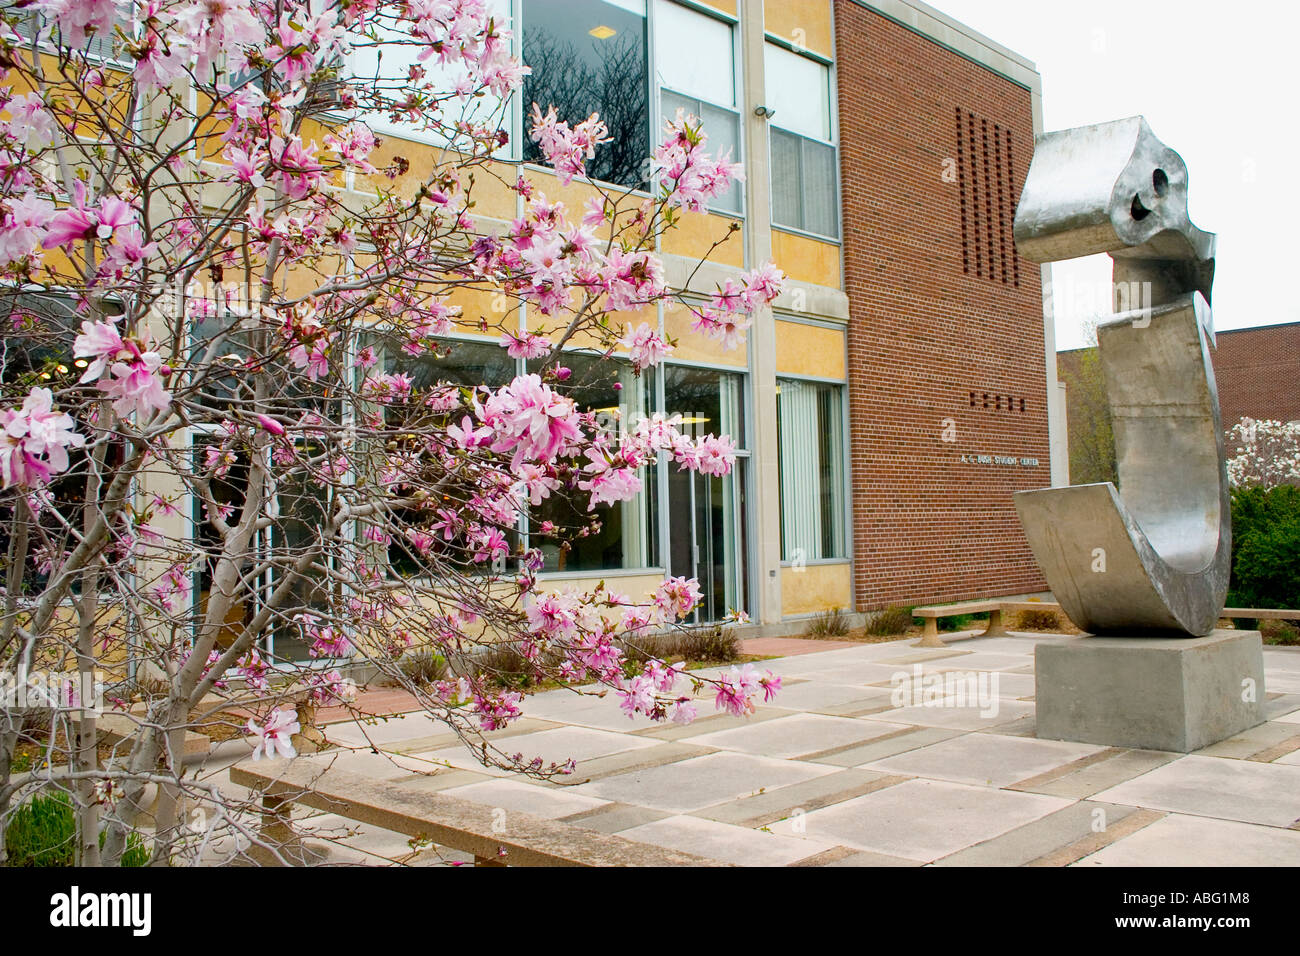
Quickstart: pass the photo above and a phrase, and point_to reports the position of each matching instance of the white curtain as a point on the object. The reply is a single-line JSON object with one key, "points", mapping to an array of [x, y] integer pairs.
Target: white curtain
{"points": [[801, 490]]}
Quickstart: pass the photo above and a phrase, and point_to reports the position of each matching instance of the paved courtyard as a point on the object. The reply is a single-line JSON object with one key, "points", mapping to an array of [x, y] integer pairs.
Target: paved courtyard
{"points": [[854, 765]]}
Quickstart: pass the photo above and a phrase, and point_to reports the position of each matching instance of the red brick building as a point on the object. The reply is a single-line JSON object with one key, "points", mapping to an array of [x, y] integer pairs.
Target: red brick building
{"points": [[1257, 371], [949, 377]]}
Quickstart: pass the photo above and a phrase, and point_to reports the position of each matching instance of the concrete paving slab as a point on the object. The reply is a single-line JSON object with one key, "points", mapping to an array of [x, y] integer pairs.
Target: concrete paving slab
{"points": [[1266, 793], [925, 820], [1252, 741], [796, 735], [523, 797], [818, 695], [1292, 717], [895, 743], [762, 809], [722, 841], [987, 760], [701, 781], [1181, 840], [1042, 836], [1110, 770], [944, 714], [981, 661], [553, 746], [614, 817]]}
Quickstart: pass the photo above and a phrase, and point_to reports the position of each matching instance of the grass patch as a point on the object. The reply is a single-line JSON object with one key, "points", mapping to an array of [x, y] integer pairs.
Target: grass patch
{"points": [[43, 832]]}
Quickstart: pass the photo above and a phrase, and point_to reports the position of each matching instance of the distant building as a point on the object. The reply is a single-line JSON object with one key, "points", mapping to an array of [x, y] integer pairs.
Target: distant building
{"points": [[1256, 371]]}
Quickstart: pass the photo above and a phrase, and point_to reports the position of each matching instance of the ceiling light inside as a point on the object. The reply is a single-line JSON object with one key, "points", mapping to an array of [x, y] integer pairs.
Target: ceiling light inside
{"points": [[602, 32]]}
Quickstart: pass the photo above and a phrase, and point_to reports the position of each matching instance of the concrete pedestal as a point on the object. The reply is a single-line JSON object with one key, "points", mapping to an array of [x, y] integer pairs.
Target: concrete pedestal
{"points": [[1150, 693]]}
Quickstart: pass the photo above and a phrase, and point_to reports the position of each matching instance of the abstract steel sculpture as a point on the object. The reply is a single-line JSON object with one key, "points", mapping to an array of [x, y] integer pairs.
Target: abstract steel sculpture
{"points": [[1153, 557]]}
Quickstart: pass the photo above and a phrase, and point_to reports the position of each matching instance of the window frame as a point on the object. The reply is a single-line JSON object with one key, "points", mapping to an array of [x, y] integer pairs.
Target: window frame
{"points": [[832, 123], [842, 513]]}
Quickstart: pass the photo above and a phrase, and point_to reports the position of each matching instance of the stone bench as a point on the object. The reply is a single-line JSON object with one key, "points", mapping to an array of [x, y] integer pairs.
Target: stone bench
{"points": [[930, 615], [1261, 613], [473, 828], [995, 610]]}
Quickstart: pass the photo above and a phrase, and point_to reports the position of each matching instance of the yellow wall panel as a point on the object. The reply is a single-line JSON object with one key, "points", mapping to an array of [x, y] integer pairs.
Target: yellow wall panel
{"points": [[695, 233], [805, 23], [695, 346], [803, 349], [816, 587], [805, 259]]}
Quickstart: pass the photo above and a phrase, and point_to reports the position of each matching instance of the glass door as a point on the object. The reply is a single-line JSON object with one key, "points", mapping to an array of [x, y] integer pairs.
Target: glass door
{"points": [[705, 513]]}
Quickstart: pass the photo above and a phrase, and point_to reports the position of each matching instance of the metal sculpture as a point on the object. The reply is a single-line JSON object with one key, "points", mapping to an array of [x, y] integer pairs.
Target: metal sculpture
{"points": [[1154, 556]]}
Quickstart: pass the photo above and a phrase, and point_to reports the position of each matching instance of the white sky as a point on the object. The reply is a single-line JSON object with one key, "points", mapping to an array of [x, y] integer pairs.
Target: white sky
{"points": [[1218, 83]]}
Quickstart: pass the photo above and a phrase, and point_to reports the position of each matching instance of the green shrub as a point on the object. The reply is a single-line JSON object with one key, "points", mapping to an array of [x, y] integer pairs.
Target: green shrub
{"points": [[43, 832], [1265, 547], [960, 622], [834, 623], [892, 620]]}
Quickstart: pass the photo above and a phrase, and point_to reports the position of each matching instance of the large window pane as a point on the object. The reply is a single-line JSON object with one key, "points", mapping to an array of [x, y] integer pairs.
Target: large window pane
{"points": [[787, 179], [722, 127], [819, 193], [467, 365], [708, 401], [589, 56], [799, 89], [383, 67], [627, 536], [811, 453], [694, 53]]}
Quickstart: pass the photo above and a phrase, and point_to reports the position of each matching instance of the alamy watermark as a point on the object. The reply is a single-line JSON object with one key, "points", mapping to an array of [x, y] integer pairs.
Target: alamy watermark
{"points": [[53, 690], [916, 688]]}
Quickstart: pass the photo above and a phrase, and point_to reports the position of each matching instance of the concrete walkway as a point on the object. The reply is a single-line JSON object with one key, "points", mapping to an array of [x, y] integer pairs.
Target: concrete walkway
{"points": [[872, 754]]}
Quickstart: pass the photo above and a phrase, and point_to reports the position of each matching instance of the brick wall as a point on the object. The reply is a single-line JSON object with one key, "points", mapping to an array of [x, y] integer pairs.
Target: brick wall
{"points": [[1257, 371], [944, 316]]}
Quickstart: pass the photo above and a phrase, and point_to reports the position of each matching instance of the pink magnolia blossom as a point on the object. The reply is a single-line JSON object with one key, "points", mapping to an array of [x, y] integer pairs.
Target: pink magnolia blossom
{"points": [[567, 149], [275, 738], [136, 386], [645, 346], [80, 19], [35, 441], [22, 228]]}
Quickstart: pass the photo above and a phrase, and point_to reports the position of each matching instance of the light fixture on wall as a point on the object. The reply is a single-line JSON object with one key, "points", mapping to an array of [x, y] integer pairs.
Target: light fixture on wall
{"points": [[764, 111], [602, 32]]}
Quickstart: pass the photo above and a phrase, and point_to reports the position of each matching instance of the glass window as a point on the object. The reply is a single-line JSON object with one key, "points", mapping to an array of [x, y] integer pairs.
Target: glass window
{"points": [[589, 56], [383, 66], [804, 193], [799, 89], [624, 534], [467, 365], [810, 435], [723, 129], [803, 184], [694, 54]]}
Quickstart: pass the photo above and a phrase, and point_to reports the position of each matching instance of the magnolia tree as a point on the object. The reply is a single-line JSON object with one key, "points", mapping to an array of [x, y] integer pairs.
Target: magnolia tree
{"points": [[1267, 453], [213, 446]]}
